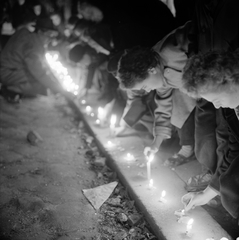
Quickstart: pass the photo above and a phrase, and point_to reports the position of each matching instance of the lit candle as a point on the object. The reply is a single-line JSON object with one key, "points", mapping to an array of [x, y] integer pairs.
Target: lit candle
{"points": [[101, 113], [150, 159], [92, 114], [151, 183], [97, 121], [83, 102], [112, 124], [88, 110], [162, 197], [130, 157], [189, 226], [110, 144]]}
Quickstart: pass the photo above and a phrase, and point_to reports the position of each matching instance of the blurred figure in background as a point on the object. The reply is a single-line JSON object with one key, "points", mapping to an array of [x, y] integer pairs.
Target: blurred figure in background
{"points": [[22, 69]]}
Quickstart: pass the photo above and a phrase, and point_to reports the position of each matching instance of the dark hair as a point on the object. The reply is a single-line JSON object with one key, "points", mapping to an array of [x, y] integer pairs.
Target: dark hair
{"points": [[205, 72], [134, 65]]}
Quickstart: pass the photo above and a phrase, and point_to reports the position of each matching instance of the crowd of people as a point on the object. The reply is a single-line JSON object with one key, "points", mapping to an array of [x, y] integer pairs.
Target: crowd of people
{"points": [[184, 85]]}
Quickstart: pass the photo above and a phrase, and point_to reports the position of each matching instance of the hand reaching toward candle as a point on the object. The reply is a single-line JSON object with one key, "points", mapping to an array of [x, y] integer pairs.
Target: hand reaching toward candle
{"points": [[154, 147], [193, 199]]}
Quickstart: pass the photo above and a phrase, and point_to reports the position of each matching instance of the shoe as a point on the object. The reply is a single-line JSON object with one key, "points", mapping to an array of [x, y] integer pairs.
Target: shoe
{"points": [[10, 96], [178, 159], [198, 182]]}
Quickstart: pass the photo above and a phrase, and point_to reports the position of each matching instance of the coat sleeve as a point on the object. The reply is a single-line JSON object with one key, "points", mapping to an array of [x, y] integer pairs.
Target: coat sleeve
{"points": [[163, 112], [233, 148], [34, 63]]}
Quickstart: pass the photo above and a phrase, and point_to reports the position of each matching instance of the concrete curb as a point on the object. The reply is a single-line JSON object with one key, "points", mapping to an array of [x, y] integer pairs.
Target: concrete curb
{"points": [[160, 217]]}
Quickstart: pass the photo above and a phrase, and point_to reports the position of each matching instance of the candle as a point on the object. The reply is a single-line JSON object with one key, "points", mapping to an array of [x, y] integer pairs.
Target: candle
{"points": [[189, 226], [97, 121], [110, 144], [112, 124], [150, 159], [88, 110], [130, 157], [162, 197], [151, 183], [101, 113], [83, 102], [113, 121], [92, 114]]}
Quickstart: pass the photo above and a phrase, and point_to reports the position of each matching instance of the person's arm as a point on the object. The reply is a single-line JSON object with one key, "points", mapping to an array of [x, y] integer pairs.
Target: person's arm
{"points": [[162, 119], [233, 147], [194, 199]]}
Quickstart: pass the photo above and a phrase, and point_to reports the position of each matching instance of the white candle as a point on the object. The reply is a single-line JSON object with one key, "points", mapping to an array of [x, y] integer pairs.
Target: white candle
{"points": [[113, 121], [162, 197], [151, 183], [150, 159], [189, 226], [112, 124], [88, 110], [101, 113]]}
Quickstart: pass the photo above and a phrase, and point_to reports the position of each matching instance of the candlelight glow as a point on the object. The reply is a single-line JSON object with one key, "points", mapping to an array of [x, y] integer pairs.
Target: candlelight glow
{"points": [[151, 157], [189, 226], [113, 121], [130, 156], [163, 194], [110, 144], [83, 101], [151, 183], [97, 121], [101, 113], [92, 114], [61, 73], [88, 109]]}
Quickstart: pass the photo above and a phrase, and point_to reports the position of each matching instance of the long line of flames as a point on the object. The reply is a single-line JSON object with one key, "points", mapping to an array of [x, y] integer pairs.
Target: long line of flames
{"points": [[61, 73]]}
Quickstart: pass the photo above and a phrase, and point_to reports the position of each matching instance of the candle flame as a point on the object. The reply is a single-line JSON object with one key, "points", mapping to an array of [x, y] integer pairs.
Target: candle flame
{"points": [[190, 222], [151, 183], [163, 194], [88, 109], [83, 101], [61, 73], [151, 157], [113, 120], [97, 121]]}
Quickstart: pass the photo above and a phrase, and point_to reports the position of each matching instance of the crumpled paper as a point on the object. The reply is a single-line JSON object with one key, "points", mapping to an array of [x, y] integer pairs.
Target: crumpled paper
{"points": [[98, 195]]}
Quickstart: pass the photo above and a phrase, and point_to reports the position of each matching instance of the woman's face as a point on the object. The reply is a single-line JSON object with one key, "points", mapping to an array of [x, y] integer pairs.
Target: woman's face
{"points": [[226, 96]]}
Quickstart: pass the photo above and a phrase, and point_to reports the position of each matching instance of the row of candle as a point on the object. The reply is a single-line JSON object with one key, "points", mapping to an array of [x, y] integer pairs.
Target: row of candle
{"points": [[130, 157]]}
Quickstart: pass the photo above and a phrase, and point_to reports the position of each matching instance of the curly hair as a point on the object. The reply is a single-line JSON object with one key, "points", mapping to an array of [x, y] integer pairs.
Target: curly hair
{"points": [[134, 65], [208, 72]]}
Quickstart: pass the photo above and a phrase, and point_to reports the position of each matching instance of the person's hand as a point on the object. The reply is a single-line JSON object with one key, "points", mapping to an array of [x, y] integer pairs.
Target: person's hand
{"points": [[154, 147], [120, 130], [193, 199]]}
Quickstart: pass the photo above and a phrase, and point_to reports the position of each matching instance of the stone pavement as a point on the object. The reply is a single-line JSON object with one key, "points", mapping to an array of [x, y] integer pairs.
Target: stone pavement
{"points": [[40, 186], [209, 223]]}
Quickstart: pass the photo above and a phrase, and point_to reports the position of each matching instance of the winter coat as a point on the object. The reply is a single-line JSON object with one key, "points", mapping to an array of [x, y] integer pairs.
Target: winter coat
{"points": [[22, 63], [173, 107]]}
